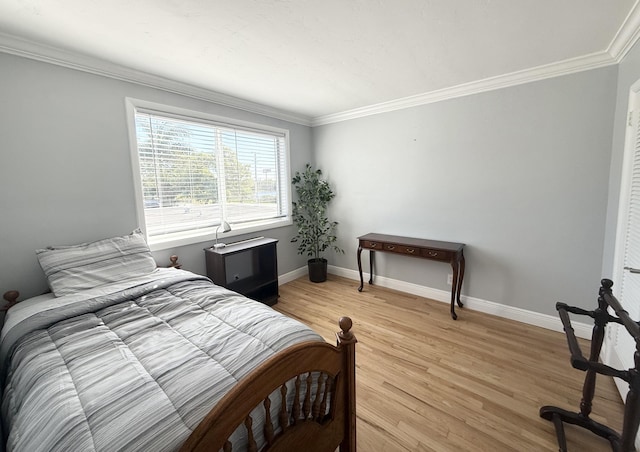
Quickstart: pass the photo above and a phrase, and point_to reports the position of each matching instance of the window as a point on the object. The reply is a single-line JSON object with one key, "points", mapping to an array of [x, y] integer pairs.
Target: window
{"points": [[196, 171]]}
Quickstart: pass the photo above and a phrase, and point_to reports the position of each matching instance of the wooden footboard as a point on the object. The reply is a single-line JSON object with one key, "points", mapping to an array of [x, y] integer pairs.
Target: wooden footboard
{"points": [[321, 416]]}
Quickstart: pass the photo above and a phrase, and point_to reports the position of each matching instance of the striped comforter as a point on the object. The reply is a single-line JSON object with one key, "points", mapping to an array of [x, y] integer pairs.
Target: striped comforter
{"points": [[132, 367]]}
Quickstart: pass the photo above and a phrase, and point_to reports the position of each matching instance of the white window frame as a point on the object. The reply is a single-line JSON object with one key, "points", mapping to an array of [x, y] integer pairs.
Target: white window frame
{"points": [[167, 241]]}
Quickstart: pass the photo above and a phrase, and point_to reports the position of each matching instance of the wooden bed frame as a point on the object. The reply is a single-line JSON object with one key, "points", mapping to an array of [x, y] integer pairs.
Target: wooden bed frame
{"points": [[303, 424], [318, 420]]}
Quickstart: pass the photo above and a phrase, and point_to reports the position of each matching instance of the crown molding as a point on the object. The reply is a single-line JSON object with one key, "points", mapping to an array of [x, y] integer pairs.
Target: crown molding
{"points": [[627, 34], [570, 66], [48, 54], [625, 38]]}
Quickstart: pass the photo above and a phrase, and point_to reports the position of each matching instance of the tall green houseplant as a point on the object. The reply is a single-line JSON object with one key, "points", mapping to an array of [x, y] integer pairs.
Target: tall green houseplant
{"points": [[315, 233]]}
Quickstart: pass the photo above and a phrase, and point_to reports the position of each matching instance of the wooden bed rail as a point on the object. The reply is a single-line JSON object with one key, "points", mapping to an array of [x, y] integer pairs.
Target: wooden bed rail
{"points": [[319, 419]]}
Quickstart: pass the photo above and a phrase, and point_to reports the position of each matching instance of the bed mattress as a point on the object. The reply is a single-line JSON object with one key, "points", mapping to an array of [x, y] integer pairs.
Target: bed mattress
{"points": [[132, 366]]}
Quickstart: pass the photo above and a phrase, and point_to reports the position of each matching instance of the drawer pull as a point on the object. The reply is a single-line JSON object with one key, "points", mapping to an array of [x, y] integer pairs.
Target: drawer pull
{"points": [[410, 250], [433, 253], [391, 247], [374, 245]]}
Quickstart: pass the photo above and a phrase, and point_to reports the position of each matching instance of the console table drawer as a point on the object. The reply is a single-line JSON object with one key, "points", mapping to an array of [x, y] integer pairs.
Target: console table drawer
{"points": [[371, 245], [437, 254], [402, 249]]}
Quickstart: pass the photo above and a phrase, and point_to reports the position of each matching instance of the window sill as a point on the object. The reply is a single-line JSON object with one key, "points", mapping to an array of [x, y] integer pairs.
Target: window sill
{"points": [[169, 241]]}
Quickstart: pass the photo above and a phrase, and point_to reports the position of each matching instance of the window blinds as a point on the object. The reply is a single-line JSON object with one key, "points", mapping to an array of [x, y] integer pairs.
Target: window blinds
{"points": [[197, 173]]}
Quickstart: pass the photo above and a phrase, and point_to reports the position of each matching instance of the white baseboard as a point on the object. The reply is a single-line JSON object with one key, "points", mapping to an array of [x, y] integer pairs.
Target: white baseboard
{"points": [[549, 322], [295, 274]]}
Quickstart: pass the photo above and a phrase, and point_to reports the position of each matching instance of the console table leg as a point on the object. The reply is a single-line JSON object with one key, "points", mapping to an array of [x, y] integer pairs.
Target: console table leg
{"points": [[371, 259], [454, 288], [360, 269], [460, 279]]}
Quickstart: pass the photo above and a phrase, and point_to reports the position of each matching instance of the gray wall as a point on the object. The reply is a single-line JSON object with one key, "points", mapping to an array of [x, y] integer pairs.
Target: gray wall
{"points": [[65, 166], [519, 174]]}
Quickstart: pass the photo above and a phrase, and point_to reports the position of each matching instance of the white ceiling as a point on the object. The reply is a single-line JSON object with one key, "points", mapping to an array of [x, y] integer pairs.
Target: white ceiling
{"points": [[319, 59]]}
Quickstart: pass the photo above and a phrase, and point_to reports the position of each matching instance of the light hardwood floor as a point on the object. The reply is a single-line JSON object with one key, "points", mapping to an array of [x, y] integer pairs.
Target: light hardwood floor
{"points": [[428, 383]]}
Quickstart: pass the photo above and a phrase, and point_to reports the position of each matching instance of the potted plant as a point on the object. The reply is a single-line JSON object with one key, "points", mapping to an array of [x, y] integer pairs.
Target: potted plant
{"points": [[315, 233]]}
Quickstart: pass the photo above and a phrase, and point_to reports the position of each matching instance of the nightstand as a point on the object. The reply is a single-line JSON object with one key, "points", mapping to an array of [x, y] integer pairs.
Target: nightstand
{"points": [[249, 267]]}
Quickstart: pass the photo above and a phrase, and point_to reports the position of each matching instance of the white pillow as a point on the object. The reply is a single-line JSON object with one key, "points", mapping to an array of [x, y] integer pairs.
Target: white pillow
{"points": [[71, 269]]}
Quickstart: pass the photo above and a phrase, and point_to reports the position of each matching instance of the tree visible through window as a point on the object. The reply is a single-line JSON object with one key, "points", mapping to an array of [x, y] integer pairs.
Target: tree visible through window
{"points": [[196, 173]]}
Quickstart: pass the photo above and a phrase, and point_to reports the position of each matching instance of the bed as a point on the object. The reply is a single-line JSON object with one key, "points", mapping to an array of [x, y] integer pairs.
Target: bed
{"points": [[162, 359]]}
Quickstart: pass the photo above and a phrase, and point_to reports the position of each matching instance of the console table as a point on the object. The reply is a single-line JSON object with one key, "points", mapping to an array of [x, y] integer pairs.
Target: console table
{"points": [[450, 252]]}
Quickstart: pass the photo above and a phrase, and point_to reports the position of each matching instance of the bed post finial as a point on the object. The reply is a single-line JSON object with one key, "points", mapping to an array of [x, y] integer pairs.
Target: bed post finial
{"points": [[174, 261], [12, 297], [347, 344], [345, 325]]}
